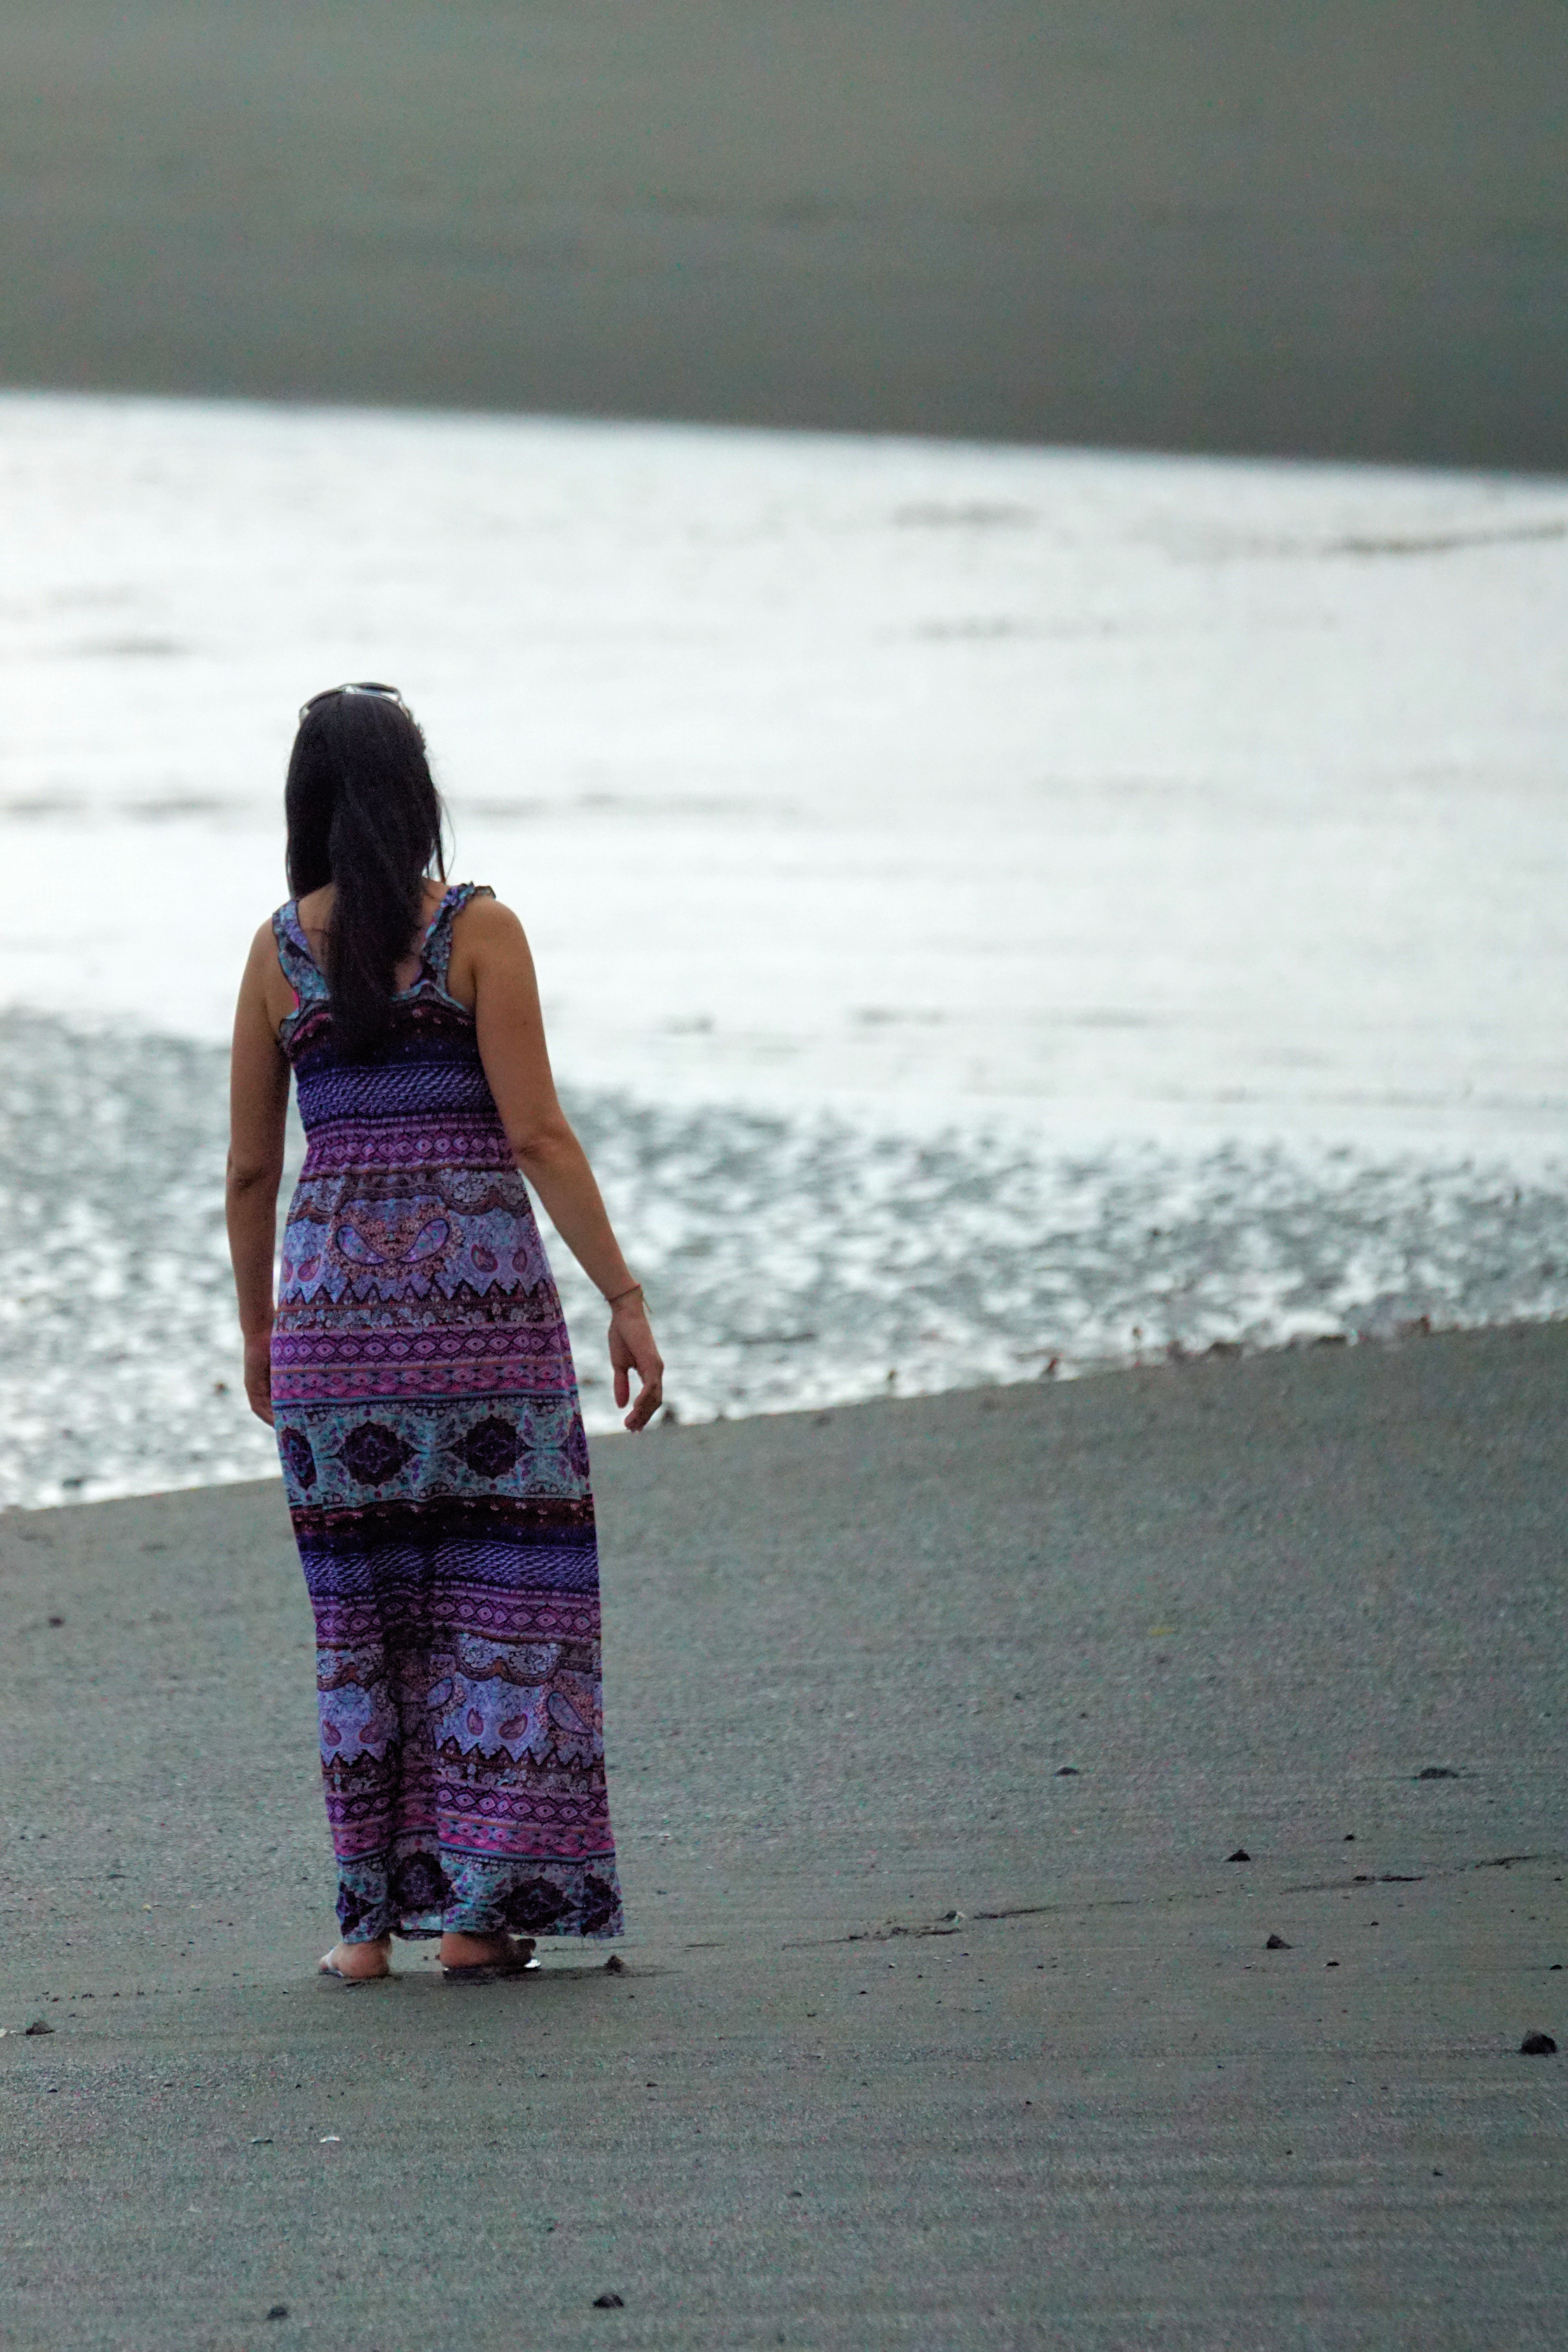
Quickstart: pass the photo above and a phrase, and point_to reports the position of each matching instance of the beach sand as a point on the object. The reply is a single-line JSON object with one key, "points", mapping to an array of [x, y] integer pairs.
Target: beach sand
{"points": [[924, 2038], [1335, 230]]}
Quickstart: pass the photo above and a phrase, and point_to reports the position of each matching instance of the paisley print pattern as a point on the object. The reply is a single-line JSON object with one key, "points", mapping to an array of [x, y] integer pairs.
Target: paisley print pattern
{"points": [[438, 1478]]}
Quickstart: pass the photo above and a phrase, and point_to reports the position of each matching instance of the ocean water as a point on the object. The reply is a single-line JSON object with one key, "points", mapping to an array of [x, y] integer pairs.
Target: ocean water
{"points": [[1000, 911]]}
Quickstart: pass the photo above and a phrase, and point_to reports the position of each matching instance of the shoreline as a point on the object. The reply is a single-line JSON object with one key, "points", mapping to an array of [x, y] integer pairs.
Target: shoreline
{"points": [[1173, 1358]]}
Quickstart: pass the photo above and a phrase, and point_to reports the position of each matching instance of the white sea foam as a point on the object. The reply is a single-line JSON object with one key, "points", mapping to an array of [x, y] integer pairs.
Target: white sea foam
{"points": [[1180, 823], [793, 1258]]}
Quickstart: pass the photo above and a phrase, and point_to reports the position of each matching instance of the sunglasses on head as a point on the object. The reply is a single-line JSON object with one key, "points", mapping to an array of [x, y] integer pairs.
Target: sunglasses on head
{"points": [[360, 686]]}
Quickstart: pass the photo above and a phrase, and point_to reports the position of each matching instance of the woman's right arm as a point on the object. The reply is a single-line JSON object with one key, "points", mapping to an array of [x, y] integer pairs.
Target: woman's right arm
{"points": [[510, 1029], [259, 1109]]}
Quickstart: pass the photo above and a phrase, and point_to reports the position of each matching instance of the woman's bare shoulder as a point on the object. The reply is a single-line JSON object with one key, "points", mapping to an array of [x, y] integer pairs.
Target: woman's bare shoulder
{"points": [[490, 951], [487, 921]]}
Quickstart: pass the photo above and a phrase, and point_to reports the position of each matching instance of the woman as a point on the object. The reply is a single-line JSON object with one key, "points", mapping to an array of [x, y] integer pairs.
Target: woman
{"points": [[416, 1366]]}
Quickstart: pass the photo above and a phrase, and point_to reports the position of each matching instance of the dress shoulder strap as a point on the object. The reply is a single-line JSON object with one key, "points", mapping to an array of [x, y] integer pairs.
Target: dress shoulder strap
{"points": [[299, 966], [436, 951]]}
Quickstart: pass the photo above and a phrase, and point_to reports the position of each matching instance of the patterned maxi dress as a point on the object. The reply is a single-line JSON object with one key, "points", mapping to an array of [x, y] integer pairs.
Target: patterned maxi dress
{"points": [[438, 1478]]}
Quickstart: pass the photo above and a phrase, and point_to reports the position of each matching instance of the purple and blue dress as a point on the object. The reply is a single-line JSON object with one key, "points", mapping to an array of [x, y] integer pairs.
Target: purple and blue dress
{"points": [[438, 1478]]}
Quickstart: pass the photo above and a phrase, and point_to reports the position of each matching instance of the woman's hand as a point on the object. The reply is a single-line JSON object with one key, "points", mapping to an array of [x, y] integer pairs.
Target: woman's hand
{"points": [[259, 1375], [632, 1351]]}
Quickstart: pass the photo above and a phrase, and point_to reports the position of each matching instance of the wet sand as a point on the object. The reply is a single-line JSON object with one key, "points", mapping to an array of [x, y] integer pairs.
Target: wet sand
{"points": [[1328, 230], [923, 2039]]}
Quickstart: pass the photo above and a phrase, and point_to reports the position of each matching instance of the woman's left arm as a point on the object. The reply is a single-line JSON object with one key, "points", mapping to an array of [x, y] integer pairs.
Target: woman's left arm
{"points": [[259, 1108]]}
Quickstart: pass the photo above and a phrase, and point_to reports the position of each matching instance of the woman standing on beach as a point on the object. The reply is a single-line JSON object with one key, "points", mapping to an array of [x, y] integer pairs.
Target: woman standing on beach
{"points": [[416, 1366]]}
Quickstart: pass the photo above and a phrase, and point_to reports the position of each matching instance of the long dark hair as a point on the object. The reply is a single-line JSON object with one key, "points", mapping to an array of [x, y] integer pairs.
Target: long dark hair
{"points": [[362, 812]]}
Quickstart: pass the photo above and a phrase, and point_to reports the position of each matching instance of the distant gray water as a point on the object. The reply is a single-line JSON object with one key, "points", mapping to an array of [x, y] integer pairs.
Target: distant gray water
{"points": [[791, 1260], [1299, 228]]}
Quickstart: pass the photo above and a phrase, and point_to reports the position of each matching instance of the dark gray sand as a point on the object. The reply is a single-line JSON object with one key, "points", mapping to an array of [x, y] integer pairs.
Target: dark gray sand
{"points": [[1233, 224], [923, 2039]]}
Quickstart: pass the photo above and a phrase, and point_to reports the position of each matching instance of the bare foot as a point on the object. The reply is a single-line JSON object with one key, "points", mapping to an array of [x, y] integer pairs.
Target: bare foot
{"points": [[458, 1951], [359, 1962]]}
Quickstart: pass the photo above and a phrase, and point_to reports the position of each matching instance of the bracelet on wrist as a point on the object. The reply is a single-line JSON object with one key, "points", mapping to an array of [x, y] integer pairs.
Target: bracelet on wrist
{"points": [[634, 1290]]}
